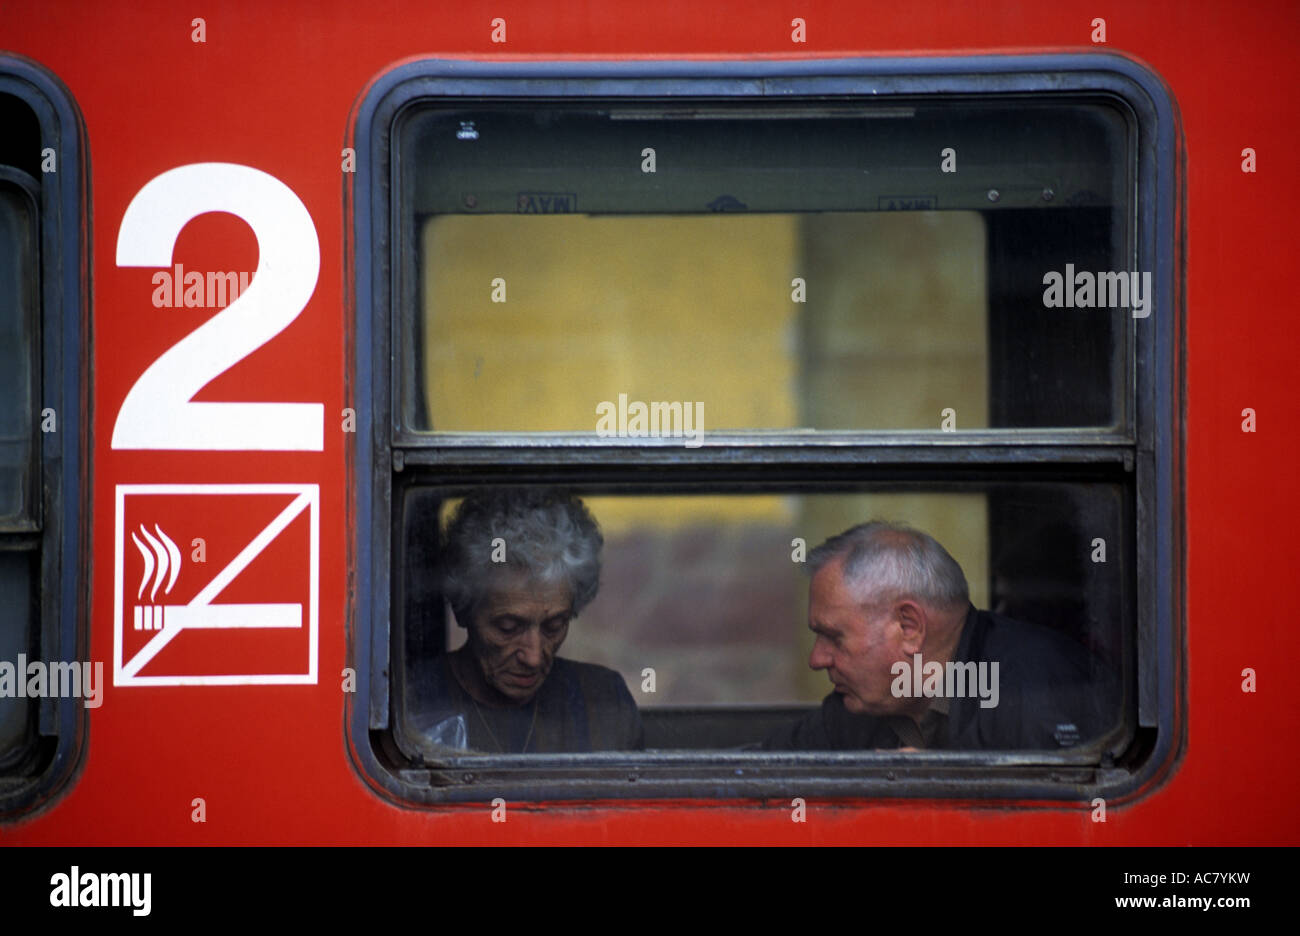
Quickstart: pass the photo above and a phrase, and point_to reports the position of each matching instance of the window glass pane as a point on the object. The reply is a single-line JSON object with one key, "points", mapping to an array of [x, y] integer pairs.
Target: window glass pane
{"points": [[17, 625], [18, 346], [774, 272], [709, 592]]}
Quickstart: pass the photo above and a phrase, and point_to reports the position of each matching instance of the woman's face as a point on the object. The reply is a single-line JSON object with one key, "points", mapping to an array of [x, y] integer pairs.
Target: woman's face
{"points": [[516, 632]]}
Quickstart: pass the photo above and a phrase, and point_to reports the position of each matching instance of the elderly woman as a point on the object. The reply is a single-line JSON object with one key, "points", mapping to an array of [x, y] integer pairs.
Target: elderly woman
{"points": [[517, 567]]}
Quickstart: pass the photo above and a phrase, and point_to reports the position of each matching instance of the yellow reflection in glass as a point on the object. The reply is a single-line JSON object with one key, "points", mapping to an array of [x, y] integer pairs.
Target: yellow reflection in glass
{"points": [[885, 328]]}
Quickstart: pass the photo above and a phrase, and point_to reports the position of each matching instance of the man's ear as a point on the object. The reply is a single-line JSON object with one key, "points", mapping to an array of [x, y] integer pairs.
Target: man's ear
{"points": [[913, 622]]}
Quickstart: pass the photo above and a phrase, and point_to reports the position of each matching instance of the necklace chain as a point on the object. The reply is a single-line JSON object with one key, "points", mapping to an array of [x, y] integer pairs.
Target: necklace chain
{"points": [[483, 718], [491, 734]]}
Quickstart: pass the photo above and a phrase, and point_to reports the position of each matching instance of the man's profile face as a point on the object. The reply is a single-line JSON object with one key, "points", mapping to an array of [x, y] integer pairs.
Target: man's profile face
{"points": [[516, 633], [854, 645]]}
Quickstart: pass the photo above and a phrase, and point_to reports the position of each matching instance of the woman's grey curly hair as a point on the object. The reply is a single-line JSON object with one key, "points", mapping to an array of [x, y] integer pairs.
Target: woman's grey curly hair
{"points": [[546, 534]]}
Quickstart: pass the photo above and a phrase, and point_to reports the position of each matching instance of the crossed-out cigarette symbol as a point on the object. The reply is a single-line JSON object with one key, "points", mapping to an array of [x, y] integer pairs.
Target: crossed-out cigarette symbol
{"points": [[162, 559]]}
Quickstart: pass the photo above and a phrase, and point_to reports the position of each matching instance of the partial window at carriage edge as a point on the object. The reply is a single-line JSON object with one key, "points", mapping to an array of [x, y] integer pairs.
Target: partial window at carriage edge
{"points": [[792, 266], [18, 341], [20, 477]]}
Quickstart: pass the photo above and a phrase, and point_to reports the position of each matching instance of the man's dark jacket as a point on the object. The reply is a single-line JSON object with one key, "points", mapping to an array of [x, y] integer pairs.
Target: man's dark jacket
{"points": [[1050, 697]]}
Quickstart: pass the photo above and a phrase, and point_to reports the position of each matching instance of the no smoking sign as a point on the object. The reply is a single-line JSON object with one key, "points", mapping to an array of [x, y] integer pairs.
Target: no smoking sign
{"points": [[216, 584]]}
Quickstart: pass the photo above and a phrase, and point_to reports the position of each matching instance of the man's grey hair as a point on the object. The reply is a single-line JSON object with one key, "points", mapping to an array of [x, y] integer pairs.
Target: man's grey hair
{"points": [[886, 562], [544, 534]]}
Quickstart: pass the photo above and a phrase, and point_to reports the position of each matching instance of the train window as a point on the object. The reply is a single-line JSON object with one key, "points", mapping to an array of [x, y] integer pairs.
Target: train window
{"points": [[834, 302], [733, 314], [42, 433], [702, 600], [18, 347]]}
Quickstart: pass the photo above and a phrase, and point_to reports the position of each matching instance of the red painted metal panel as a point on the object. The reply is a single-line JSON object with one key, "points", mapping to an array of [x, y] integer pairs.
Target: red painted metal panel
{"points": [[272, 88]]}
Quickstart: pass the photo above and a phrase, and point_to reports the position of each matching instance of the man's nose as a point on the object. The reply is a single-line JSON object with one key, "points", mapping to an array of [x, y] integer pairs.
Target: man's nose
{"points": [[530, 647], [820, 658]]}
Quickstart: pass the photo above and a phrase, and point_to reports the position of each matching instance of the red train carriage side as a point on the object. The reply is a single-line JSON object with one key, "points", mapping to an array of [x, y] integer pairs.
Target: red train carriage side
{"points": [[284, 286]]}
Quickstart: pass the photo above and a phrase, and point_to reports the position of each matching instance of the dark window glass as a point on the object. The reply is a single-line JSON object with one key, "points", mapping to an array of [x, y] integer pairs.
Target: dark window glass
{"points": [[784, 267], [17, 634], [20, 474], [706, 590], [18, 348]]}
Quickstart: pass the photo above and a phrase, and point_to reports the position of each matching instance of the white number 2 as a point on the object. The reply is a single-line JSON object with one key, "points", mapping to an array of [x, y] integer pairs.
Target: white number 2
{"points": [[158, 412]]}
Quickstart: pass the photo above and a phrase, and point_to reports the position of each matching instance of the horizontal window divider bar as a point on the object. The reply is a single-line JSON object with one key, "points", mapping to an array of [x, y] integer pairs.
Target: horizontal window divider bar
{"points": [[975, 438], [1037, 459], [757, 479]]}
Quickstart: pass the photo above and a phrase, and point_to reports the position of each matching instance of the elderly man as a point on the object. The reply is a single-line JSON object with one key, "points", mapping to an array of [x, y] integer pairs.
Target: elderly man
{"points": [[517, 567], [914, 664]]}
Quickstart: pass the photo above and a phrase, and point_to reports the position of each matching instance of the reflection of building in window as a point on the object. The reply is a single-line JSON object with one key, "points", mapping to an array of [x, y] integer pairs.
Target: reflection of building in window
{"points": [[659, 308], [897, 324], [895, 334], [893, 330]]}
